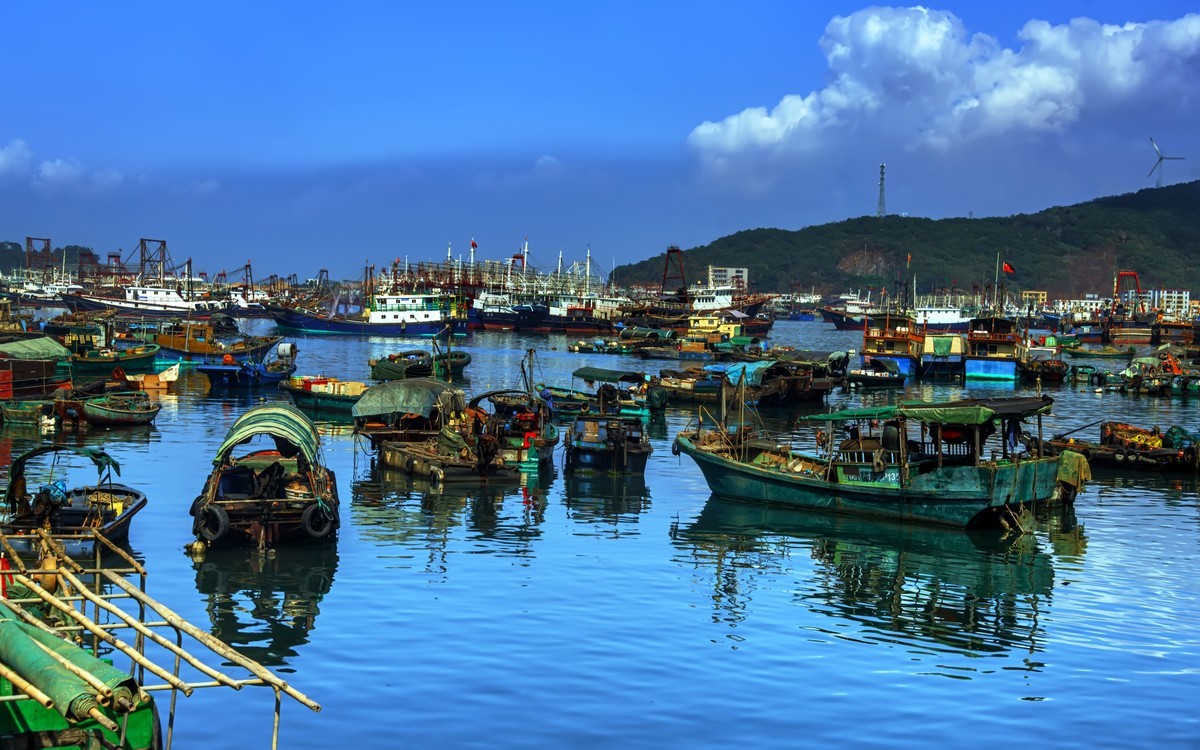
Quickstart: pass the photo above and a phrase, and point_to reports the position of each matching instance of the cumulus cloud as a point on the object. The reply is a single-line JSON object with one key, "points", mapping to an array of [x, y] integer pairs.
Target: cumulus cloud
{"points": [[920, 79], [58, 174], [545, 170], [15, 158]]}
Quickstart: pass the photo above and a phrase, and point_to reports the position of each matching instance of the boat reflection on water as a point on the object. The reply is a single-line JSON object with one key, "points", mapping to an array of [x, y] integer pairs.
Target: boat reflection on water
{"points": [[606, 500], [391, 507], [265, 605], [945, 589]]}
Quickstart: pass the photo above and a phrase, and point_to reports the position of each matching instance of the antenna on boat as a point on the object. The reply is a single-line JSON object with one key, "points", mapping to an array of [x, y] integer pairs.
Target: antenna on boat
{"points": [[1158, 164]]}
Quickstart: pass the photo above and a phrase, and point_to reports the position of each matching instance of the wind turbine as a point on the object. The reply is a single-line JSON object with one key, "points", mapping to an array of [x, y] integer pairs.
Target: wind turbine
{"points": [[1158, 164]]}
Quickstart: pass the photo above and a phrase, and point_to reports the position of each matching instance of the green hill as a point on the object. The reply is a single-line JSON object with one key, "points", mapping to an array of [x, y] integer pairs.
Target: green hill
{"points": [[1066, 250]]}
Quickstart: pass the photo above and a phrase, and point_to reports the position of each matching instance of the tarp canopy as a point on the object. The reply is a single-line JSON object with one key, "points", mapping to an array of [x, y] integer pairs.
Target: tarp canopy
{"points": [[97, 456], [292, 431], [969, 411], [734, 372], [43, 347], [413, 396], [647, 333], [604, 375]]}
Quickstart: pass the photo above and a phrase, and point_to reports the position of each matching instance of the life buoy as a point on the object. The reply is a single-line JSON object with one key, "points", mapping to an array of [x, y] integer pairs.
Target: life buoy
{"points": [[316, 522], [212, 522]]}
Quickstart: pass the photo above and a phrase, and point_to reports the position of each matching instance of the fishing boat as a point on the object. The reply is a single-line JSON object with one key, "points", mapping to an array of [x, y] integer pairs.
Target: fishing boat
{"points": [[401, 365], [120, 409], [875, 373], [274, 495], [200, 341], [320, 394], [270, 371], [147, 302], [606, 445], [450, 458], [931, 463], [26, 412], [994, 350], [1104, 352], [103, 361], [521, 422], [1045, 370], [388, 314], [1129, 448], [624, 393], [154, 381], [407, 411], [106, 506], [763, 382]]}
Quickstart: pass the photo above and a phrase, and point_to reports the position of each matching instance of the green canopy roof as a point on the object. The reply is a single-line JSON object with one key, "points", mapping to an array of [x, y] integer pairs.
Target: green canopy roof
{"points": [[605, 375], [42, 347], [412, 396], [292, 430], [967, 411]]}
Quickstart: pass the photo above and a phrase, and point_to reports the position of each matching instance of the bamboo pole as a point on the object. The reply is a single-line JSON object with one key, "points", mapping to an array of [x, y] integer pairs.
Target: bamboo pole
{"points": [[91, 679], [96, 630], [141, 628], [215, 644], [26, 687]]}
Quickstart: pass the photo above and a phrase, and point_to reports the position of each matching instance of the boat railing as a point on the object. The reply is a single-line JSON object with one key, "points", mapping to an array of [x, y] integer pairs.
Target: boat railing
{"points": [[96, 602]]}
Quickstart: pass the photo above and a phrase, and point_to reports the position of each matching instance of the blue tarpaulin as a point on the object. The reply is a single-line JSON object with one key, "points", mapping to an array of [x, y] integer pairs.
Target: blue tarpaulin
{"points": [[735, 371]]}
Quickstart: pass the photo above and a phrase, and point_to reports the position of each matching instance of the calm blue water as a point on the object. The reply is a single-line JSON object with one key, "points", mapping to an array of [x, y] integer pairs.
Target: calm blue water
{"points": [[645, 614]]}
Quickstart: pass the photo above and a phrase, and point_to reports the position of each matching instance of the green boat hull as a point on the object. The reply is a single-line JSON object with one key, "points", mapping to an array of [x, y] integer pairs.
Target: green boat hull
{"points": [[959, 496]]}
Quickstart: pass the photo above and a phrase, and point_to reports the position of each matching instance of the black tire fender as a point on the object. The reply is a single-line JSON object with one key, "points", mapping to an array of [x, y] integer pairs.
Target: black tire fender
{"points": [[675, 449], [212, 522], [316, 522]]}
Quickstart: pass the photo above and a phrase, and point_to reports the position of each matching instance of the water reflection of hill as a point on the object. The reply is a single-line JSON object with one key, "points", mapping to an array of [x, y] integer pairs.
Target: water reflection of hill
{"points": [[612, 501], [265, 605], [394, 509], [937, 588]]}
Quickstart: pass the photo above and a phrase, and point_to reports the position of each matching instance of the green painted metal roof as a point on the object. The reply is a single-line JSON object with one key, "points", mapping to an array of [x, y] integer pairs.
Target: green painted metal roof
{"points": [[292, 430]]}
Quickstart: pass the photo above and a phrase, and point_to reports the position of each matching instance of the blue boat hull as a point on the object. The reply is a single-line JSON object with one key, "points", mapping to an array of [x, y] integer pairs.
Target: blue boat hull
{"points": [[304, 323], [245, 375]]}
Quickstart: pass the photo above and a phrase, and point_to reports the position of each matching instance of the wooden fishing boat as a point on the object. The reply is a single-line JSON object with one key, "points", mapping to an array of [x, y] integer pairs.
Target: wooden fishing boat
{"points": [[26, 412], [1128, 448], [606, 445], [120, 409], [106, 506], [408, 411], [274, 495], [876, 373], [318, 394], [930, 463], [1045, 370], [103, 361], [411, 364], [624, 393], [270, 371], [450, 459], [1104, 352], [199, 340]]}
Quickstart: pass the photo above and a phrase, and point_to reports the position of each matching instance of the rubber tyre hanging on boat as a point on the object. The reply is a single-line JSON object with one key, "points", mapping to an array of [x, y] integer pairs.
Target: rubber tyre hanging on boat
{"points": [[437, 476], [212, 522], [316, 522], [675, 449]]}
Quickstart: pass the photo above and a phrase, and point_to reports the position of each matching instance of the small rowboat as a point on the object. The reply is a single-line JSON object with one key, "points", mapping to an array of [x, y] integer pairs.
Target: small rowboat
{"points": [[120, 409]]}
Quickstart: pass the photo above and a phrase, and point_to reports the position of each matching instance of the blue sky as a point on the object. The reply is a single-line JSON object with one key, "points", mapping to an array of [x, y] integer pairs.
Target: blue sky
{"points": [[302, 137]]}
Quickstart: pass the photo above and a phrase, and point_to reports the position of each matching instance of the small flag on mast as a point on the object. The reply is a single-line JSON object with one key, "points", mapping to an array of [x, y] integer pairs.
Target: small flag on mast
{"points": [[1008, 268], [473, 245]]}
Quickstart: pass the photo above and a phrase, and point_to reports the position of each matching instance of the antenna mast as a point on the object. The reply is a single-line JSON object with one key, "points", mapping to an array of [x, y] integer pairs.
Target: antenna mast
{"points": [[881, 210]]}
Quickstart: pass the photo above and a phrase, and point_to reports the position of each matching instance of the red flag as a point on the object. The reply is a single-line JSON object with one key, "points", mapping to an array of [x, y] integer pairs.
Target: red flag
{"points": [[1008, 268], [473, 245]]}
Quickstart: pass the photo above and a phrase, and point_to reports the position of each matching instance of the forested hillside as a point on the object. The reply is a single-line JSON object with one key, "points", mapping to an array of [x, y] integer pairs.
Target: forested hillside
{"points": [[1066, 250]]}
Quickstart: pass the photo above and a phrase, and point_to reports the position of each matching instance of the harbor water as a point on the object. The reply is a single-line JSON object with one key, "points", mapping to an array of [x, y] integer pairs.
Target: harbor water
{"points": [[644, 613]]}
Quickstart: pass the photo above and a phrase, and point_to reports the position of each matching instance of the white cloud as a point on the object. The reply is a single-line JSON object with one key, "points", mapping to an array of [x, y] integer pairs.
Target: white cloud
{"points": [[916, 78], [58, 174], [545, 170], [15, 158]]}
